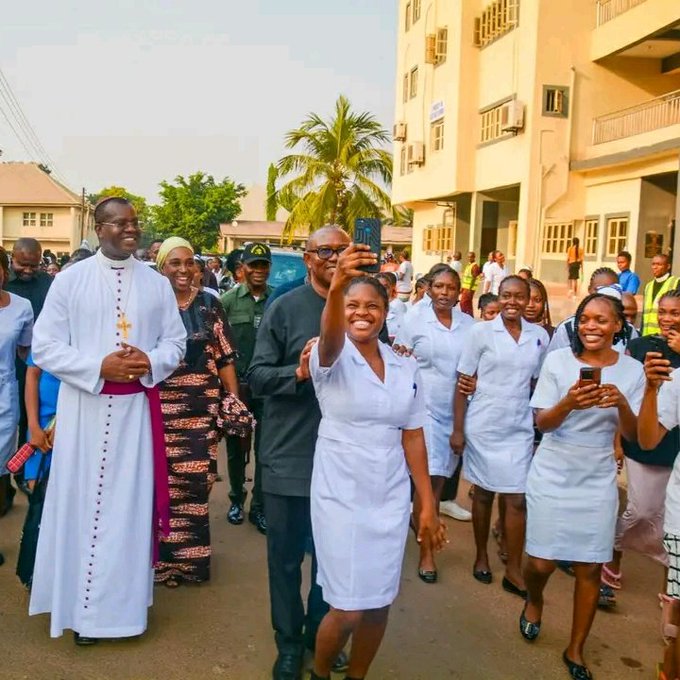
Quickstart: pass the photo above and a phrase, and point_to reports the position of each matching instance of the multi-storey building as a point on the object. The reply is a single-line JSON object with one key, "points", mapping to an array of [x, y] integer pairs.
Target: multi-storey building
{"points": [[520, 124], [33, 203]]}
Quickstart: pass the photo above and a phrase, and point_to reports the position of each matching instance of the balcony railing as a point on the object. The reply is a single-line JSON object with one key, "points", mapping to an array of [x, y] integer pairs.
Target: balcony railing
{"points": [[608, 9], [651, 115]]}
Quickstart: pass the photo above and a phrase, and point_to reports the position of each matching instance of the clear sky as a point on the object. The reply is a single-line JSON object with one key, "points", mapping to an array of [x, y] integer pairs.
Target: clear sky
{"points": [[130, 92]]}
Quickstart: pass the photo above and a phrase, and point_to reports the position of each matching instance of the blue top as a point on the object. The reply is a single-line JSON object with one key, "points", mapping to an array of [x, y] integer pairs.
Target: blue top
{"points": [[629, 281], [48, 391]]}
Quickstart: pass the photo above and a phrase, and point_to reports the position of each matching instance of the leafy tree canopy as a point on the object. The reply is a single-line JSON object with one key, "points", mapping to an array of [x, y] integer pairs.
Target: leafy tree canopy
{"points": [[139, 202], [340, 170], [195, 206]]}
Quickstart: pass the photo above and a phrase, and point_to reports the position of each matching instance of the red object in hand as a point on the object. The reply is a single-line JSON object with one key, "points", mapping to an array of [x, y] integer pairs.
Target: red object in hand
{"points": [[17, 461]]}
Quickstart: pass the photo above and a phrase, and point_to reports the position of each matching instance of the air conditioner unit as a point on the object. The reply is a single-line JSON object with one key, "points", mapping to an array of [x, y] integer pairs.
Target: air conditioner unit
{"points": [[416, 153], [399, 132], [512, 116], [431, 49]]}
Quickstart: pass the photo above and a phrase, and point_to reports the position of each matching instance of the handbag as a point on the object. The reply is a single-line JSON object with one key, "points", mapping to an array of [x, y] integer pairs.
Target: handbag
{"points": [[31, 530], [233, 416]]}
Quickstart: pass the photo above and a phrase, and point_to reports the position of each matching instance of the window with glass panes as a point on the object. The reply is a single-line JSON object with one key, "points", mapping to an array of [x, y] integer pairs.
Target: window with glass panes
{"points": [[402, 160], [491, 124], [437, 135], [557, 237], [413, 88], [590, 240], [617, 235], [416, 10], [46, 219], [29, 219]]}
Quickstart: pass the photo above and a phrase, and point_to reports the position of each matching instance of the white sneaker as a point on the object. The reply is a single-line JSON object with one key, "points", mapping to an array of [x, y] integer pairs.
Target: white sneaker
{"points": [[452, 509]]}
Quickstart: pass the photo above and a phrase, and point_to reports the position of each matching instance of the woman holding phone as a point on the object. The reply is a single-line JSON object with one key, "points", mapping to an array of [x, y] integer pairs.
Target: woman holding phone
{"points": [[496, 429], [584, 395], [360, 494]]}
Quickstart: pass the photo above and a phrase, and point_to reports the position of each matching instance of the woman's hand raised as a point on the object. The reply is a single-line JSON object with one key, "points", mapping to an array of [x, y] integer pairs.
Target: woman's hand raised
{"points": [[657, 369], [354, 256]]}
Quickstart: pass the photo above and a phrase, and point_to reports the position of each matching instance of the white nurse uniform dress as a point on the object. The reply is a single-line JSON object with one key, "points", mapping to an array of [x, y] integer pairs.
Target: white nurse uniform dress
{"points": [[572, 499], [437, 350], [360, 494], [499, 432]]}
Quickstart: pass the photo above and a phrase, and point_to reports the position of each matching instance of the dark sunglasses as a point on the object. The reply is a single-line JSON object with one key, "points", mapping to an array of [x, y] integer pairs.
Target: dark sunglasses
{"points": [[325, 252]]}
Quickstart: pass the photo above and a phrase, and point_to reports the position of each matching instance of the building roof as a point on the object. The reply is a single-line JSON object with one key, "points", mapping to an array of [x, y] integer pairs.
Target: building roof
{"points": [[255, 230], [25, 184]]}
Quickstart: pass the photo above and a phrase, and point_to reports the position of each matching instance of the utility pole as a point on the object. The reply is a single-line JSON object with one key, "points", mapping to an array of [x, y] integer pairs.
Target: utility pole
{"points": [[82, 216]]}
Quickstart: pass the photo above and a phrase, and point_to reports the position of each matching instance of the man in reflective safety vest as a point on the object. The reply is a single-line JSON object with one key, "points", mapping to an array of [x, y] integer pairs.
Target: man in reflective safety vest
{"points": [[654, 290], [469, 283]]}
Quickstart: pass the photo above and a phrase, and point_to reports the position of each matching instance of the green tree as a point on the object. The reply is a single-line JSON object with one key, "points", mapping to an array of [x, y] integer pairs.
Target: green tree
{"points": [[340, 171], [195, 206], [271, 205], [139, 202]]}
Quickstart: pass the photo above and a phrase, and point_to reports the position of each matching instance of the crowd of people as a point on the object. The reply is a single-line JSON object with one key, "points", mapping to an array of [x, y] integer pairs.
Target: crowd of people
{"points": [[124, 369]]}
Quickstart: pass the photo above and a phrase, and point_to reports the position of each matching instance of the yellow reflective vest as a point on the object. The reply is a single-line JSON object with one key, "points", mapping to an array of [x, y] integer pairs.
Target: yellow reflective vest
{"points": [[650, 305], [469, 281]]}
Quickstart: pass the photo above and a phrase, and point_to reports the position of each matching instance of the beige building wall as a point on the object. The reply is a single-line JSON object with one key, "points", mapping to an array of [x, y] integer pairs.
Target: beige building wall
{"points": [[63, 236], [552, 171]]}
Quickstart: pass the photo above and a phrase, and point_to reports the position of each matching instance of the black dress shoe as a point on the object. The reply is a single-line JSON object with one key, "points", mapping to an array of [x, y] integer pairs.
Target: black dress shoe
{"points": [[82, 641], [576, 670], [510, 587], [427, 576], [257, 519], [235, 514], [287, 667], [482, 576], [341, 662]]}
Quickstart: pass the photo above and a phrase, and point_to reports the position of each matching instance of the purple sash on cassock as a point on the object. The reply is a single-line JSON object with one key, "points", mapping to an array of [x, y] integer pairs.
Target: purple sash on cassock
{"points": [[161, 508]]}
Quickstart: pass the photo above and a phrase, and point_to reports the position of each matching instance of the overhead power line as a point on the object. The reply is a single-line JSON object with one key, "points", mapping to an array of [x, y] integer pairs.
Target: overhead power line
{"points": [[22, 128]]}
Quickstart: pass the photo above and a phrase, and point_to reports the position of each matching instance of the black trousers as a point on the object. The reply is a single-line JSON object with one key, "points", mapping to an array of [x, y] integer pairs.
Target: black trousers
{"points": [[237, 461], [450, 490], [289, 530]]}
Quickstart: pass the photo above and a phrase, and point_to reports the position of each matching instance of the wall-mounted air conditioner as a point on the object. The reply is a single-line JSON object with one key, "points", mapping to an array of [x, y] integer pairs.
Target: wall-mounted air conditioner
{"points": [[416, 153], [399, 132], [512, 116]]}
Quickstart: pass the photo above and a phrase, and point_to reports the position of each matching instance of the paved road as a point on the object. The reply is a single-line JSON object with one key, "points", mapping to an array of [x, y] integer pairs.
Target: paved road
{"points": [[456, 629]]}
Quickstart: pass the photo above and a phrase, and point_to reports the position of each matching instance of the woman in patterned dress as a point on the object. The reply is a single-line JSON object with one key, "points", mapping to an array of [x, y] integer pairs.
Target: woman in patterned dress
{"points": [[192, 399]]}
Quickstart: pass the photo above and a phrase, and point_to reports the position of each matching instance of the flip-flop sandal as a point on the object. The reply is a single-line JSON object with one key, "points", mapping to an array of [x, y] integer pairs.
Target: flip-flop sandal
{"points": [[171, 583], [611, 578]]}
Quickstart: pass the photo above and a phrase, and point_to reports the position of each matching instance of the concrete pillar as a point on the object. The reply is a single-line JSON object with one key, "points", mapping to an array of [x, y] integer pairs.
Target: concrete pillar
{"points": [[676, 231], [475, 238]]}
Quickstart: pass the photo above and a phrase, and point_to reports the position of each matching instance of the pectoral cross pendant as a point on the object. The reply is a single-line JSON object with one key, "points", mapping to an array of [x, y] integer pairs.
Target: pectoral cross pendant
{"points": [[123, 326]]}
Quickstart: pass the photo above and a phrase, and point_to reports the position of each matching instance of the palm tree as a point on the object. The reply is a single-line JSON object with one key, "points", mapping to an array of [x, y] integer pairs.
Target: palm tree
{"points": [[341, 171]]}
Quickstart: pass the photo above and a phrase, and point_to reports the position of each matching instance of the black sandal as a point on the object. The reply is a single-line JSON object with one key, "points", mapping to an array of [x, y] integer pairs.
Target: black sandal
{"points": [[528, 629], [427, 576], [483, 576], [576, 670]]}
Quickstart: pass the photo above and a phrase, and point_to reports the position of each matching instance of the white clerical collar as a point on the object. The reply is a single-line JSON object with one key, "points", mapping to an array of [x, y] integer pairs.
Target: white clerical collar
{"points": [[114, 264], [661, 279]]}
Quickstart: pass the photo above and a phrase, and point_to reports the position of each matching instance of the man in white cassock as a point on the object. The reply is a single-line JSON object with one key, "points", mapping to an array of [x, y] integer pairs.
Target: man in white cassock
{"points": [[109, 330]]}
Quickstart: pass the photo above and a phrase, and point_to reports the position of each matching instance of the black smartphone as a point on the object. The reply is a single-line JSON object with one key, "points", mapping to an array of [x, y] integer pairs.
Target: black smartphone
{"points": [[658, 343], [590, 374], [367, 231]]}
